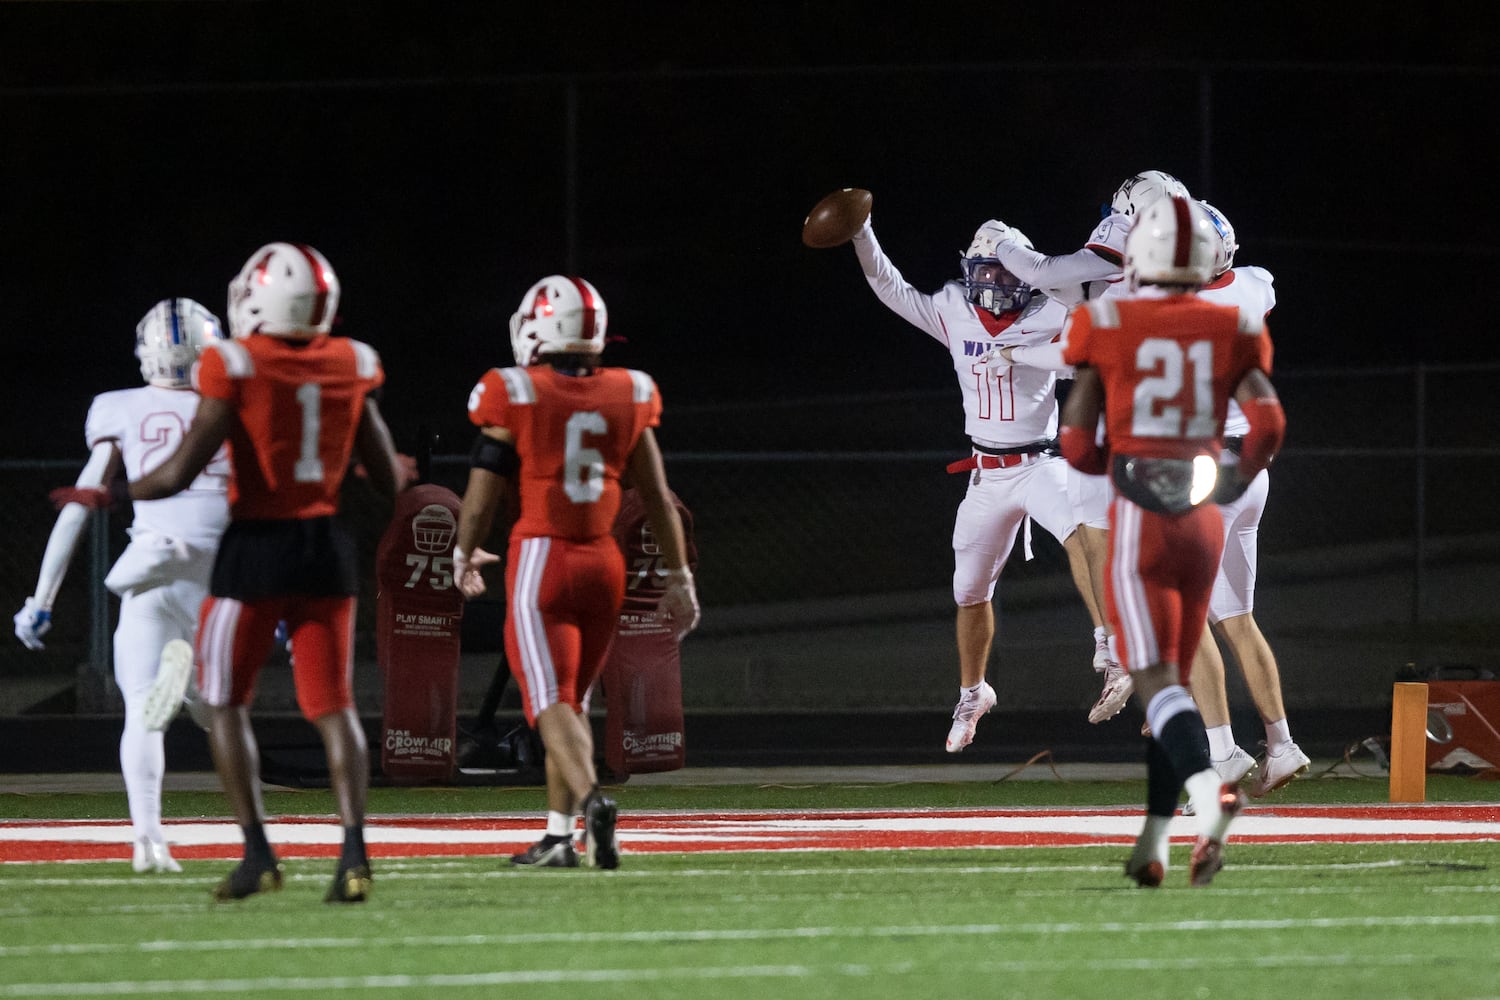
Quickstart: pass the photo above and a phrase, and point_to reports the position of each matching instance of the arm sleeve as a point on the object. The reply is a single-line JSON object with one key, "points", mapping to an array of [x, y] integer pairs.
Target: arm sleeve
{"points": [[1048, 356], [1263, 439], [892, 289], [1081, 450], [69, 528], [1041, 271]]}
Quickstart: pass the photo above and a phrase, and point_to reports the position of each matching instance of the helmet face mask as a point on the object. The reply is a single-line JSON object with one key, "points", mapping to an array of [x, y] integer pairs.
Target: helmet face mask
{"points": [[168, 339], [991, 287], [1173, 243], [284, 290], [1140, 192], [1224, 259], [558, 315]]}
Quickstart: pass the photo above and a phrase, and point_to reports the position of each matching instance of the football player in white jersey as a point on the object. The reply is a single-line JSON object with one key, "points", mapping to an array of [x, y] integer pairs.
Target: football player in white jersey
{"points": [[162, 576], [1230, 611], [1010, 417], [1071, 278]]}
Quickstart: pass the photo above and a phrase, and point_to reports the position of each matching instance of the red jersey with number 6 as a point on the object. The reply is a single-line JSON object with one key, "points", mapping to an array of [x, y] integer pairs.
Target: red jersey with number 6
{"points": [[574, 435], [1168, 366], [299, 404]]}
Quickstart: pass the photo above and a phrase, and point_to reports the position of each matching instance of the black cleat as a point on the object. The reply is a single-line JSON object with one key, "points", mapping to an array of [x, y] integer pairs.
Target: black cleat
{"points": [[350, 885], [557, 854], [247, 879], [600, 845]]}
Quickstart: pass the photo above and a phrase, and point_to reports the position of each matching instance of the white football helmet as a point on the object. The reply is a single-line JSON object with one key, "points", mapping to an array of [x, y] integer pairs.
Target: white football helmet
{"points": [[989, 285], [284, 290], [168, 339], [1174, 242], [1139, 192], [1224, 259], [558, 315]]}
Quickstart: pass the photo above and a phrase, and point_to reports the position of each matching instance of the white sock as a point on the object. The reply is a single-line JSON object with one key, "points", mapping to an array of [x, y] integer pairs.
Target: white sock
{"points": [[559, 824], [971, 690], [1203, 793], [1099, 635], [1112, 654], [1220, 742], [1278, 736]]}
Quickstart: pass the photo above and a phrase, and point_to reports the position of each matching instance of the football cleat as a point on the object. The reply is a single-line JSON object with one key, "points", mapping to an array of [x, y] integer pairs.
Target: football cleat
{"points": [[1117, 688], [350, 885], [170, 686], [557, 854], [248, 879], [1232, 770], [971, 705], [1102, 657], [1208, 852], [1279, 768], [601, 847], [1147, 864], [153, 856]]}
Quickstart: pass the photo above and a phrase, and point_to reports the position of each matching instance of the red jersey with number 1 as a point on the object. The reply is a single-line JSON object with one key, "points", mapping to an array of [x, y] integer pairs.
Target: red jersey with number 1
{"points": [[299, 404], [1169, 367], [574, 435]]}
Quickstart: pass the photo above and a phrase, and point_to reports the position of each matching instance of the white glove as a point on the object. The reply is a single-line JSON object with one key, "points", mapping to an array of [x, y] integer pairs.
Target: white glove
{"points": [[994, 362], [32, 622], [681, 601], [991, 235]]}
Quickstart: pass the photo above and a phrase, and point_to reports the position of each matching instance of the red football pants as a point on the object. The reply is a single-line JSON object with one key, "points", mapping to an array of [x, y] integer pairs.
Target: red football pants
{"points": [[235, 637], [1158, 582], [564, 600]]}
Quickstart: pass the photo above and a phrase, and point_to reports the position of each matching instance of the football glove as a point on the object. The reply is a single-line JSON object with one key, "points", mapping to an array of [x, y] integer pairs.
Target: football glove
{"points": [[681, 601], [32, 622]]}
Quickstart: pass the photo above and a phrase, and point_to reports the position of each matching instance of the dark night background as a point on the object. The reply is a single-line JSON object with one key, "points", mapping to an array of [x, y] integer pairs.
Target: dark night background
{"points": [[445, 155]]}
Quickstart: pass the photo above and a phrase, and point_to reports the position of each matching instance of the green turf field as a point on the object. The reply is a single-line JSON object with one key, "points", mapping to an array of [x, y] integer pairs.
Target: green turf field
{"points": [[1322, 920]]}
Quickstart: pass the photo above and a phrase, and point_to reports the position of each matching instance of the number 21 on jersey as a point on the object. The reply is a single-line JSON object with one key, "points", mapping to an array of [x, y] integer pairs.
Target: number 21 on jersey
{"points": [[1174, 397]]}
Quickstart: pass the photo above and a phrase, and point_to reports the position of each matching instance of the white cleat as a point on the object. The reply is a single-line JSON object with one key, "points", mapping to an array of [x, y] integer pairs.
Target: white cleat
{"points": [[172, 675], [1232, 770], [1234, 767], [153, 856], [1279, 768], [1117, 688], [966, 716]]}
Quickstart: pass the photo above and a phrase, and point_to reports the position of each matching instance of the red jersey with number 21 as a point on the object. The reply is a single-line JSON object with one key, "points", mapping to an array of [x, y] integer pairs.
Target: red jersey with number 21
{"points": [[574, 435], [299, 404], [1168, 366]]}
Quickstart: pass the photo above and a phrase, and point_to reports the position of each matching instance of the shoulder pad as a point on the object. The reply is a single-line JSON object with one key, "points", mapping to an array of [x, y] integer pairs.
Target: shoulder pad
{"points": [[1104, 314], [366, 359], [1251, 324], [518, 386], [642, 386], [236, 358]]}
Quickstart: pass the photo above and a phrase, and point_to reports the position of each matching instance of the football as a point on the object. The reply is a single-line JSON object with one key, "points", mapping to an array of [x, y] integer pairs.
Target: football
{"points": [[836, 218]]}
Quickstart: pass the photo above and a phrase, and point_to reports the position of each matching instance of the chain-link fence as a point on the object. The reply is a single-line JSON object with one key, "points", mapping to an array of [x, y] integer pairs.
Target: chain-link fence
{"points": [[823, 528]]}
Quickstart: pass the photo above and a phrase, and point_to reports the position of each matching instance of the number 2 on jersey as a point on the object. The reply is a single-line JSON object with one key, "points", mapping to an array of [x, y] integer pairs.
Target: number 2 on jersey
{"points": [[1159, 403]]}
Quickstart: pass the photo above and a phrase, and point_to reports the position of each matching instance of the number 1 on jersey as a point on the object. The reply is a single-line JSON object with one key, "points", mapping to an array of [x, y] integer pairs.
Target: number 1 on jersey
{"points": [[309, 467]]}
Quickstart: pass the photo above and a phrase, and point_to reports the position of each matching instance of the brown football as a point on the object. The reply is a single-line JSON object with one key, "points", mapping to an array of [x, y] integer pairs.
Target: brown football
{"points": [[836, 218]]}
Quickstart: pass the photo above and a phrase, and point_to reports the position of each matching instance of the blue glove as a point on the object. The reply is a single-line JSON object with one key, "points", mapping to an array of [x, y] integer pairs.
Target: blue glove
{"points": [[32, 622]]}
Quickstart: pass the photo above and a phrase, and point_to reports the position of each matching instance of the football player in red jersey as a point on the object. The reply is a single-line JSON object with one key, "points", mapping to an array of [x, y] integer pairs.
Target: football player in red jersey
{"points": [[295, 404], [1163, 366], [560, 431]]}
